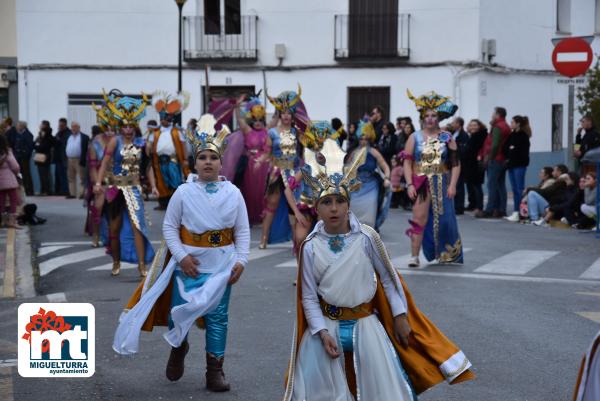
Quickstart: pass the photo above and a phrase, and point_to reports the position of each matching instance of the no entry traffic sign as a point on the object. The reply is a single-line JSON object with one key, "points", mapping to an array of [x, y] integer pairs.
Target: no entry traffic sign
{"points": [[572, 57]]}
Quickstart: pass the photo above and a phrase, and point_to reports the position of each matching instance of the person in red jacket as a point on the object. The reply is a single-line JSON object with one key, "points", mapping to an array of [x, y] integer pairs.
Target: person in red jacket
{"points": [[494, 158]]}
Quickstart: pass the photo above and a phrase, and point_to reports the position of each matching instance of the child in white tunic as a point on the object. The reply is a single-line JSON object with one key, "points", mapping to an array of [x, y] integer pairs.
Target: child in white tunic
{"points": [[354, 313]]}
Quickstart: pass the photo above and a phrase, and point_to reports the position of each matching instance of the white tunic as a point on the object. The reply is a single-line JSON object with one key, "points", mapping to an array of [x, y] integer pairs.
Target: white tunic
{"points": [[347, 279], [199, 209]]}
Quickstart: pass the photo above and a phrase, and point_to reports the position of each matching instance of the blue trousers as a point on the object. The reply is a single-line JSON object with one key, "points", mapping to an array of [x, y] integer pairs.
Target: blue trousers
{"points": [[496, 183], [536, 204], [216, 321], [517, 183]]}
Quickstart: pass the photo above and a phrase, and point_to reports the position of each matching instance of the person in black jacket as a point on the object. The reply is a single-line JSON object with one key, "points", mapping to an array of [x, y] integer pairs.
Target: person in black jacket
{"points": [[387, 143], [43, 155], [516, 150], [474, 170], [61, 184], [20, 140], [462, 138], [587, 137], [568, 208]]}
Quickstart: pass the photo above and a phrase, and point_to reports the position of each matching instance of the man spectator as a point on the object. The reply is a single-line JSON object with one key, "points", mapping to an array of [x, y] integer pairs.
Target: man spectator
{"points": [[587, 137], [493, 157], [61, 186], [377, 119], [20, 139], [401, 137], [76, 151], [462, 138]]}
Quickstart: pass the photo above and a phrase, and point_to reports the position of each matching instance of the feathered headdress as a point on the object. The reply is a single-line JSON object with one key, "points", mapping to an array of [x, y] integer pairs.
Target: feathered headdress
{"points": [[433, 101], [316, 133], [329, 175], [366, 130], [254, 110], [287, 101], [119, 110], [206, 137], [170, 105]]}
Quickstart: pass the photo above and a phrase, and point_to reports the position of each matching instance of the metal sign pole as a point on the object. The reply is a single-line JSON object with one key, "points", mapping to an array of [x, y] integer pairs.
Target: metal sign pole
{"points": [[569, 160]]}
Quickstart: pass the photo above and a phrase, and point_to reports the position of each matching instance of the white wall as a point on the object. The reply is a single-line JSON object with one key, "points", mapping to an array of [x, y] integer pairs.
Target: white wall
{"points": [[8, 29]]}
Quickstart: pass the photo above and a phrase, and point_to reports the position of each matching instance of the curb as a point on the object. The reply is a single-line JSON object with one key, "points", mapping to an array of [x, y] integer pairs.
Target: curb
{"points": [[19, 274]]}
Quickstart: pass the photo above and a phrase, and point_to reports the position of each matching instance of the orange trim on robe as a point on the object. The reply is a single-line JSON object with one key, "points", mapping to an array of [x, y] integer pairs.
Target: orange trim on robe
{"points": [[163, 191], [159, 315], [428, 346], [584, 362]]}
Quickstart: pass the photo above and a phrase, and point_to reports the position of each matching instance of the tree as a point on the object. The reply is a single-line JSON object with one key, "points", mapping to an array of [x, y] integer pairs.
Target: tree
{"points": [[589, 95]]}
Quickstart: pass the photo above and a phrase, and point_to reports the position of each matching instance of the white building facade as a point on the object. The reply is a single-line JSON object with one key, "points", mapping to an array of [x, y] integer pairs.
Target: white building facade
{"points": [[347, 55]]}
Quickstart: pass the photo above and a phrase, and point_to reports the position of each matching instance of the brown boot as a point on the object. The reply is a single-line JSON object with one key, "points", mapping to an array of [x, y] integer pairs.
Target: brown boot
{"points": [[215, 378], [175, 366]]}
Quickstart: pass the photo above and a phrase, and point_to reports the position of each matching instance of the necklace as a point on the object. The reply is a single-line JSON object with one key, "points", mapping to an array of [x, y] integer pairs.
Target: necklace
{"points": [[211, 188], [337, 243]]}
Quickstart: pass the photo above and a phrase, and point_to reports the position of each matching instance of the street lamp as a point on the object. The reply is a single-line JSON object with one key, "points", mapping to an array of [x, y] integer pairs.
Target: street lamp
{"points": [[180, 4]]}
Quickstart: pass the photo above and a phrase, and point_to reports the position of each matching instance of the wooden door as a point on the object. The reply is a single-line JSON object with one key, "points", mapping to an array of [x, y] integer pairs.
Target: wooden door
{"points": [[362, 99]]}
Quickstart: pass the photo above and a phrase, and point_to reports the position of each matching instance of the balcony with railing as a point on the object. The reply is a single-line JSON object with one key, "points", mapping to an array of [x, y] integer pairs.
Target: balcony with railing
{"points": [[372, 37], [220, 38]]}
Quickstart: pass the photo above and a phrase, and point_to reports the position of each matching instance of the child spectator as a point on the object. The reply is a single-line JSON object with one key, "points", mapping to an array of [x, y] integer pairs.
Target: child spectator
{"points": [[9, 168], [588, 207]]}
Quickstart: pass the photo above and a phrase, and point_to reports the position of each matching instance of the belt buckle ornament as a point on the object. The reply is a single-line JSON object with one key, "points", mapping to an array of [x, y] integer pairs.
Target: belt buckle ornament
{"points": [[333, 312], [215, 238]]}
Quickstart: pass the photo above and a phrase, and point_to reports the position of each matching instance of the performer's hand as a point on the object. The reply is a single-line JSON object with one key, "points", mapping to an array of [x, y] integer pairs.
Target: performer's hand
{"points": [[386, 183], [402, 329], [330, 344], [451, 192], [302, 220], [412, 192], [236, 273], [155, 192], [189, 266]]}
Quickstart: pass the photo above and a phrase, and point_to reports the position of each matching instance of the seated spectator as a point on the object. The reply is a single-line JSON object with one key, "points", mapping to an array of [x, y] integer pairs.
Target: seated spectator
{"points": [[588, 207], [538, 199], [567, 211]]}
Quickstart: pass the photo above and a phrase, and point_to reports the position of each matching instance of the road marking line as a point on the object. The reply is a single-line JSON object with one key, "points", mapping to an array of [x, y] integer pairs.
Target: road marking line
{"points": [[592, 294], [49, 249], [593, 271], [6, 383], [9, 284], [517, 262], [287, 244], [108, 266], [403, 259], [526, 279], [290, 263], [49, 266], [57, 297], [256, 253], [73, 243], [6, 363], [593, 316]]}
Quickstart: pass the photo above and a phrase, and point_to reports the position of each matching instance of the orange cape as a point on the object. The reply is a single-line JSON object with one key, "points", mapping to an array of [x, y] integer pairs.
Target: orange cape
{"points": [[163, 190]]}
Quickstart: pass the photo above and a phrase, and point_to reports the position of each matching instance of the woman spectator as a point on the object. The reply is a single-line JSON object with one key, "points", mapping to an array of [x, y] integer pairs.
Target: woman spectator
{"points": [[9, 168], [538, 200], [43, 155], [588, 207], [474, 170], [351, 142], [567, 210], [387, 143], [516, 150]]}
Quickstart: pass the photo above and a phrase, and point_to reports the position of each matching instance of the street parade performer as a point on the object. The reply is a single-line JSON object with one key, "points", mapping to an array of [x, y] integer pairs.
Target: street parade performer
{"points": [[588, 379], [284, 178], [207, 234], [167, 146], [120, 173], [429, 156], [358, 333]]}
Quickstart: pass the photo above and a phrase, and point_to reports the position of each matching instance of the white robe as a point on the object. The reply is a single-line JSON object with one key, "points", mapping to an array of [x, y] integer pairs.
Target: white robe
{"points": [[199, 211], [347, 279], [589, 387]]}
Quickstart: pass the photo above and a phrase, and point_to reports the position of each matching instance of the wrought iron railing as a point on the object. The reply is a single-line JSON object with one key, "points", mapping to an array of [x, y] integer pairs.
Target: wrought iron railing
{"points": [[372, 36], [222, 38]]}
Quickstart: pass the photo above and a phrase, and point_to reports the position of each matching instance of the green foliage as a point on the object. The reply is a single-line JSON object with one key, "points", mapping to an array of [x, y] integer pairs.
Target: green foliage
{"points": [[589, 95]]}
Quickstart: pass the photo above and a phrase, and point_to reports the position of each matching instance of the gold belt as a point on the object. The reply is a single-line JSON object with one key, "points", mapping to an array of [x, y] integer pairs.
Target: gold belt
{"points": [[343, 313], [430, 169], [208, 239], [123, 180]]}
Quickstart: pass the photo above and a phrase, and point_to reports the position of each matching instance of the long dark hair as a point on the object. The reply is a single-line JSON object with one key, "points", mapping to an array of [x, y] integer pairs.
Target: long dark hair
{"points": [[3, 145]]}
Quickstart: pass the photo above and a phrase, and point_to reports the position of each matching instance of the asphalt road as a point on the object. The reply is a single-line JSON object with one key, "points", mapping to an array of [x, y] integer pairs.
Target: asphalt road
{"points": [[523, 307]]}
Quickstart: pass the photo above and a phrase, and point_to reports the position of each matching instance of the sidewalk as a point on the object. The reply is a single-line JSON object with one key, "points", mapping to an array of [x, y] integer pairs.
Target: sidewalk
{"points": [[16, 272]]}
